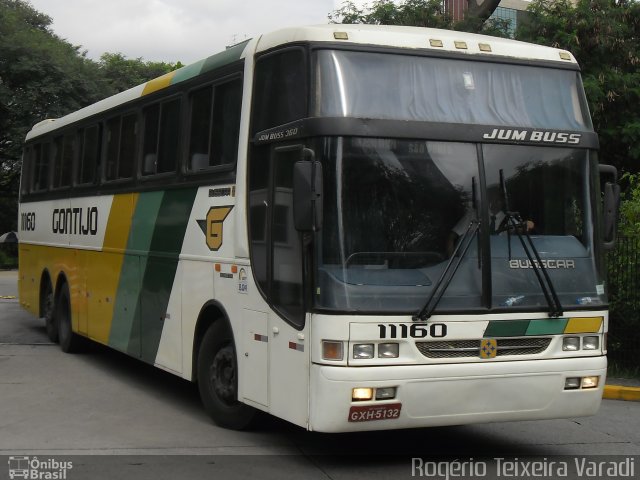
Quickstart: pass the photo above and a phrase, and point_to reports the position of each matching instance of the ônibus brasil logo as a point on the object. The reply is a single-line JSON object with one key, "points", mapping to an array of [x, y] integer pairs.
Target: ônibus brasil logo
{"points": [[36, 469]]}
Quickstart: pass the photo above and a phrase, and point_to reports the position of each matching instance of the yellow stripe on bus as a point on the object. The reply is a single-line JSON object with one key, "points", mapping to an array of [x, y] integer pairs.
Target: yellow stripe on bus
{"points": [[103, 268], [158, 83], [584, 325]]}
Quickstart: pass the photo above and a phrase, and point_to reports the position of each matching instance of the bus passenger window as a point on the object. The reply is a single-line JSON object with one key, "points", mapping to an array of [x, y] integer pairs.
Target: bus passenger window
{"points": [[40, 168], [150, 148], [161, 134], [281, 89], [89, 155], [113, 141], [27, 167], [169, 136], [200, 127], [226, 123], [215, 125], [122, 134], [128, 144], [63, 160]]}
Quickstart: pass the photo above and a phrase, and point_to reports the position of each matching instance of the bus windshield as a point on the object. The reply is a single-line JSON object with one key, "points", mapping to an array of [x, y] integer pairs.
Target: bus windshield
{"points": [[408, 87], [394, 210]]}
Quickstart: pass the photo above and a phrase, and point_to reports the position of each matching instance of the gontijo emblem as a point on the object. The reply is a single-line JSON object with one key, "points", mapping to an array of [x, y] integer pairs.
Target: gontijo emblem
{"points": [[212, 226], [488, 348]]}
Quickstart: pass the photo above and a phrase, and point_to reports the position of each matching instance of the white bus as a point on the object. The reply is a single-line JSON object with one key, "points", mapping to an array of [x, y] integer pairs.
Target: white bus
{"points": [[347, 227]]}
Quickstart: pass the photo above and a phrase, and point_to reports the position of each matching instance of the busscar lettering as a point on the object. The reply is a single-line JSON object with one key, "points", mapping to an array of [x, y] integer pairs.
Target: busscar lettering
{"points": [[75, 221], [550, 264], [533, 136]]}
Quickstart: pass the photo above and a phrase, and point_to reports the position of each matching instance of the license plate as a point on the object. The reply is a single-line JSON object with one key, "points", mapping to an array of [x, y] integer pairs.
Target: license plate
{"points": [[368, 413]]}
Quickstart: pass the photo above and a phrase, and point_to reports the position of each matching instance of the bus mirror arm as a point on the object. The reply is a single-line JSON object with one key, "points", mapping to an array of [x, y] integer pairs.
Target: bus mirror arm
{"points": [[307, 193], [611, 202]]}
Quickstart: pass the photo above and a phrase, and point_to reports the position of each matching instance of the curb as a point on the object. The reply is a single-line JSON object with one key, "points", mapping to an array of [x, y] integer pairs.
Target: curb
{"points": [[618, 392]]}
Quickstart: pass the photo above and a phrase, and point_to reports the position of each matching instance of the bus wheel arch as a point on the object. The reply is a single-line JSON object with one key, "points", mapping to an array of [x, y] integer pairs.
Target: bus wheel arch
{"points": [[47, 305], [216, 369]]}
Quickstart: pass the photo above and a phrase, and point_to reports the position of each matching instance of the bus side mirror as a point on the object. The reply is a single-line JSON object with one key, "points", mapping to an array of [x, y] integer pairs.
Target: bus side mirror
{"points": [[307, 193], [611, 202]]}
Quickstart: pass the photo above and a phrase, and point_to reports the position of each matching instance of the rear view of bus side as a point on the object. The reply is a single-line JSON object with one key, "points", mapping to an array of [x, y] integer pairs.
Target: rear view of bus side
{"points": [[347, 227]]}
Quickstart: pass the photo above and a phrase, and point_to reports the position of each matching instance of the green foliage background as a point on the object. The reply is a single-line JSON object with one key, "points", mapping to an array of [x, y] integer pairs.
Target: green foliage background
{"points": [[43, 76]]}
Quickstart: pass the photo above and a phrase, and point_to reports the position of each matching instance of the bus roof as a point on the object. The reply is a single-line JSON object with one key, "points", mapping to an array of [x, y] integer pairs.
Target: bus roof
{"points": [[415, 38], [376, 35]]}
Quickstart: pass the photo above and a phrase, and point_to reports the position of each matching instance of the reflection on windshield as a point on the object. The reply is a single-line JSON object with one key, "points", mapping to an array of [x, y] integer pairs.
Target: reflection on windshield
{"points": [[548, 188], [389, 220], [394, 210]]}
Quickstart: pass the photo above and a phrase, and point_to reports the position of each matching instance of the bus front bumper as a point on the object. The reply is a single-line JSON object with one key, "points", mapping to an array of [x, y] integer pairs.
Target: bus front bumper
{"points": [[455, 394]]}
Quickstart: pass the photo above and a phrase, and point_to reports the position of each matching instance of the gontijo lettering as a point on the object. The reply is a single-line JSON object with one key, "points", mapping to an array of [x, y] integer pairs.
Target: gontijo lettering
{"points": [[75, 221]]}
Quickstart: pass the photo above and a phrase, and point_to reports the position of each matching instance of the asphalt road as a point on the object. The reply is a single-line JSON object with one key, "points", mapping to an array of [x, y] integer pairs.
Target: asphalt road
{"points": [[115, 417]]}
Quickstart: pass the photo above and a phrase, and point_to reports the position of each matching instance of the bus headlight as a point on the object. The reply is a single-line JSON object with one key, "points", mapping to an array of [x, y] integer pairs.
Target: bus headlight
{"points": [[590, 382], [363, 350], [388, 350], [571, 344], [590, 343]]}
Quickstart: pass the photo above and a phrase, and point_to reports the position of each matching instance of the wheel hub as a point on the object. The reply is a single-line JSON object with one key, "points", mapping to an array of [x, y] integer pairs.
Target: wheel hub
{"points": [[223, 375]]}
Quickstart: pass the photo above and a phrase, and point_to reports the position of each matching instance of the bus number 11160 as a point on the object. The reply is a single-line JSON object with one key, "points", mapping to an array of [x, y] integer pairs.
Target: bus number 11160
{"points": [[414, 330]]}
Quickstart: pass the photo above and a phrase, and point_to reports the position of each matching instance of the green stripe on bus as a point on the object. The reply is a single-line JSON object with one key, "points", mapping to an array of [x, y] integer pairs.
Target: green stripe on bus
{"points": [[126, 307], [507, 328], [185, 73], [551, 326], [160, 270], [224, 58]]}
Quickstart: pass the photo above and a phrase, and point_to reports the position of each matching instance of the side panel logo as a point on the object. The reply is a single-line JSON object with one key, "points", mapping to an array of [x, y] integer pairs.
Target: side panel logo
{"points": [[212, 226]]}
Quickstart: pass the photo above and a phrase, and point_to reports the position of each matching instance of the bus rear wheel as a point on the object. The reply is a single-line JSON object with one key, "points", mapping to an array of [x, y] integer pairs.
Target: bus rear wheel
{"points": [[218, 380], [69, 341], [47, 305]]}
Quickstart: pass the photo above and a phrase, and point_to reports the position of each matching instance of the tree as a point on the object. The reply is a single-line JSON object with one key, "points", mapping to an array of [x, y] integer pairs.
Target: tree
{"points": [[43, 76], [121, 73], [604, 36]]}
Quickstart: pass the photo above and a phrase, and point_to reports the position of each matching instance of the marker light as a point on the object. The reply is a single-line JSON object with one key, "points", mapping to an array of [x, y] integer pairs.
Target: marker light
{"points": [[385, 393], [361, 394], [571, 344], [590, 343], [590, 382], [572, 383], [331, 350], [388, 350], [363, 350]]}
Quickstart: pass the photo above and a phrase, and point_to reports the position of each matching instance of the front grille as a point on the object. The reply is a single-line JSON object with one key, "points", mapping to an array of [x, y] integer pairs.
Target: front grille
{"points": [[471, 348]]}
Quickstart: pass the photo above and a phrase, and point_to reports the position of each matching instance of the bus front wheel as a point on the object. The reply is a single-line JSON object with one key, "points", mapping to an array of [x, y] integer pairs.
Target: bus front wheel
{"points": [[218, 379]]}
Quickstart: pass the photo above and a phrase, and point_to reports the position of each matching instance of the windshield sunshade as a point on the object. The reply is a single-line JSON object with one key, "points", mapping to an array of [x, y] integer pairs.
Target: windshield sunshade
{"points": [[450, 91]]}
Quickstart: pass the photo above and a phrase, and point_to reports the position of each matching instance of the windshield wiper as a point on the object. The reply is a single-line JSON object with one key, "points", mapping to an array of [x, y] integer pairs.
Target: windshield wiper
{"points": [[449, 271], [515, 223]]}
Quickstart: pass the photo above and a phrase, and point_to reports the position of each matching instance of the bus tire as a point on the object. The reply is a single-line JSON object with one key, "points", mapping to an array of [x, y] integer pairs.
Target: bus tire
{"points": [[218, 379], [47, 306], [69, 341]]}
